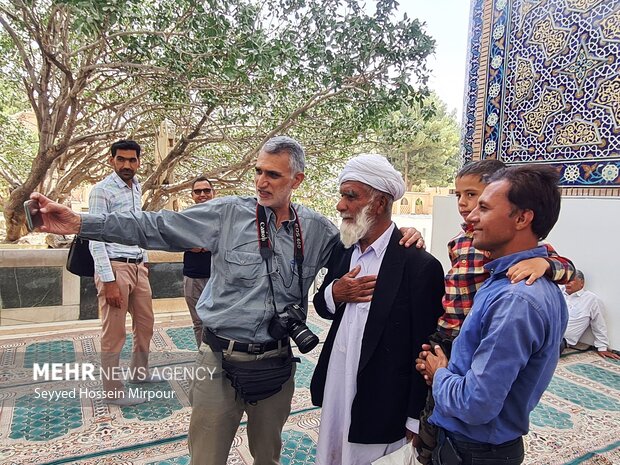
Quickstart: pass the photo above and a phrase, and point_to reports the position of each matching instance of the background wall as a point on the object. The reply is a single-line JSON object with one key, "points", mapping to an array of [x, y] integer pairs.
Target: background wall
{"points": [[36, 288], [587, 233]]}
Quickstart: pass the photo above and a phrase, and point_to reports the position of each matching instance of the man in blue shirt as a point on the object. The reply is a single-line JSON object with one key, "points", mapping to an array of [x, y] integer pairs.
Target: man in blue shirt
{"points": [[507, 350]]}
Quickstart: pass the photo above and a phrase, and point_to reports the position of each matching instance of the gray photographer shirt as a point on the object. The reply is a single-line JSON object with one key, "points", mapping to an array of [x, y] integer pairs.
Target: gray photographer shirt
{"points": [[237, 302]]}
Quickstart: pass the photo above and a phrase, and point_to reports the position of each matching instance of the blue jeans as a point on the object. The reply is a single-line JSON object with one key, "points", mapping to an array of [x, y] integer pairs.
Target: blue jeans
{"points": [[476, 453]]}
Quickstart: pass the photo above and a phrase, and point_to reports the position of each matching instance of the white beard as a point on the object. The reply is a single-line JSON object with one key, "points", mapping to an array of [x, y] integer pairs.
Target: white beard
{"points": [[351, 233]]}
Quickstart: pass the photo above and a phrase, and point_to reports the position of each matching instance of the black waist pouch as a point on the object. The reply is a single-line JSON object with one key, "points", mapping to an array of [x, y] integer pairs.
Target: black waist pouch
{"points": [[258, 379]]}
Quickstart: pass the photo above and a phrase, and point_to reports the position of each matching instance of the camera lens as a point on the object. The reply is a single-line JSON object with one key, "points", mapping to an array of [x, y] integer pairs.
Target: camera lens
{"points": [[305, 339]]}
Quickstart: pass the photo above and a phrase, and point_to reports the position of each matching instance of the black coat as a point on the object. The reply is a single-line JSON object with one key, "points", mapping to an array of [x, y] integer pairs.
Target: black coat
{"points": [[404, 311]]}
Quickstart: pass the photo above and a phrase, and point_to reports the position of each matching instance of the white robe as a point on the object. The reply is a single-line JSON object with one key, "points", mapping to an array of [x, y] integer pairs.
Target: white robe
{"points": [[341, 382]]}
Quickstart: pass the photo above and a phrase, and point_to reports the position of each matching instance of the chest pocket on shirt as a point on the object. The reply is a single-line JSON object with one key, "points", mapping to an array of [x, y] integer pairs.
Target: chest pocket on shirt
{"points": [[244, 268], [308, 273]]}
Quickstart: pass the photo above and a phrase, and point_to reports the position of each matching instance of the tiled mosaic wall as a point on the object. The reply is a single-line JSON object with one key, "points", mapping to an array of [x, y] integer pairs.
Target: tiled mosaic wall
{"points": [[544, 87]]}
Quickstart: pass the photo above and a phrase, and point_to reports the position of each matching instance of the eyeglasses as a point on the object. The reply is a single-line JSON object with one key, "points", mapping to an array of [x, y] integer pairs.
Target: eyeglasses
{"points": [[200, 191]]}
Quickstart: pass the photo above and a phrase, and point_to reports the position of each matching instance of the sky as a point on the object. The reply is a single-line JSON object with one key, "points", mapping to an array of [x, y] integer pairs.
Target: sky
{"points": [[447, 21]]}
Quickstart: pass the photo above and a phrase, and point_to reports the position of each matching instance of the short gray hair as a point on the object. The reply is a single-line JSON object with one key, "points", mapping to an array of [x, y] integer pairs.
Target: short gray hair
{"points": [[579, 275], [278, 144]]}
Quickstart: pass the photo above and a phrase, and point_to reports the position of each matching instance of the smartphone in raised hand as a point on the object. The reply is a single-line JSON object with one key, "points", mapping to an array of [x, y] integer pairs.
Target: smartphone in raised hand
{"points": [[33, 215]]}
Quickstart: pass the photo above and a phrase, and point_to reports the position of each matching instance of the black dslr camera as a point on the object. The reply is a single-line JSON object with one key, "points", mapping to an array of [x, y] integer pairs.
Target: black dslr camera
{"points": [[290, 322]]}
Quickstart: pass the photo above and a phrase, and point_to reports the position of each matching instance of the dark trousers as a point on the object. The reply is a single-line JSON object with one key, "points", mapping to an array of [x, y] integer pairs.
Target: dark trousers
{"points": [[428, 432], [451, 451]]}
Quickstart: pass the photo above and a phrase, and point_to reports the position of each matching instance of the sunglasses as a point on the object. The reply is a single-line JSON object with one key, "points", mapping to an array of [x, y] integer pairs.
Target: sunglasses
{"points": [[200, 191]]}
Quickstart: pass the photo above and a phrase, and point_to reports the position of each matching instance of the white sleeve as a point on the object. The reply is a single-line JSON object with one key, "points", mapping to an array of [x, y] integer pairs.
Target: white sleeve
{"points": [[413, 425], [329, 298], [599, 328]]}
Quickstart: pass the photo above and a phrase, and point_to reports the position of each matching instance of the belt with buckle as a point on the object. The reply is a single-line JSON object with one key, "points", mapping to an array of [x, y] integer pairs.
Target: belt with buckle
{"points": [[254, 348], [135, 261]]}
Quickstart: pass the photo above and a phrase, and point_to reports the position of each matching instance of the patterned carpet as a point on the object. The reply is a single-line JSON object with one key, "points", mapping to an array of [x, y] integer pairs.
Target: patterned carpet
{"points": [[577, 422]]}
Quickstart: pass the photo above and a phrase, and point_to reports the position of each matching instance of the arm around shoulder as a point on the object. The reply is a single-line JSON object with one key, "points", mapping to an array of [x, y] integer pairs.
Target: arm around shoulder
{"points": [[561, 269]]}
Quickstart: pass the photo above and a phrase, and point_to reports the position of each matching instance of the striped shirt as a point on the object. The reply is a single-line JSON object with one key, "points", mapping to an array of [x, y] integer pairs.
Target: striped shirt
{"points": [[112, 194], [467, 275]]}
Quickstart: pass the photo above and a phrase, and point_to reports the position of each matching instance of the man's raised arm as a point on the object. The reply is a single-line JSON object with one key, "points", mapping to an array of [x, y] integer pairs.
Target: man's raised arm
{"points": [[196, 227], [57, 218]]}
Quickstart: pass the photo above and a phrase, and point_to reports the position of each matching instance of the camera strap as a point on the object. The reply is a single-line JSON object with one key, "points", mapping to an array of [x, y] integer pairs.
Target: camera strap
{"points": [[266, 250]]}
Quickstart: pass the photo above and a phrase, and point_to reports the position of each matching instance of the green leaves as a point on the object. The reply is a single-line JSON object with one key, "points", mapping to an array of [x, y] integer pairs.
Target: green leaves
{"points": [[422, 142], [328, 73]]}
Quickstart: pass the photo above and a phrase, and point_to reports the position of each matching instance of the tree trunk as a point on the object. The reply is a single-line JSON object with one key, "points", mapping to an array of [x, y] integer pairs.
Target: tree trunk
{"points": [[406, 172], [14, 214], [14, 207]]}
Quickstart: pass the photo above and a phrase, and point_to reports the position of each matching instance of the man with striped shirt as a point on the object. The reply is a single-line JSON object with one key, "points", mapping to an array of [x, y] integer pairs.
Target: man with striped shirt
{"points": [[122, 278]]}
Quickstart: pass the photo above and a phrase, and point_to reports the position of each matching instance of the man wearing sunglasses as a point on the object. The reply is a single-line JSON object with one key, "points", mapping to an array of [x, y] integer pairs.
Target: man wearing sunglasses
{"points": [[197, 262]]}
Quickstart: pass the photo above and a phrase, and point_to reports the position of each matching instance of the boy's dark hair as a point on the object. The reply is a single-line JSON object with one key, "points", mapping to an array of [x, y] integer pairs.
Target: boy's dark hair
{"points": [[535, 188], [201, 179], [483, 168], [125, 144]]}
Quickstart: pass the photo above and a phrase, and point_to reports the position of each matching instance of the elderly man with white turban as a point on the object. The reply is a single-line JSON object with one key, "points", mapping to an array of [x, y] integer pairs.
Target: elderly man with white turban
{"points": [[384, 301]]}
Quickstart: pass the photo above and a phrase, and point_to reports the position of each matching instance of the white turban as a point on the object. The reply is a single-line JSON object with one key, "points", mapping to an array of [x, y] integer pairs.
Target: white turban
{"points": [[376, 171]]}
